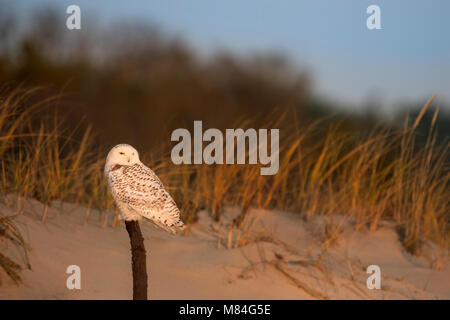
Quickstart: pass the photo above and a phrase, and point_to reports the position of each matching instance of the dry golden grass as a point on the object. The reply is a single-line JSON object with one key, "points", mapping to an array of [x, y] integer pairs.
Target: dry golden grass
{"points": [[383, 175], [10, 234], [330, 233]]}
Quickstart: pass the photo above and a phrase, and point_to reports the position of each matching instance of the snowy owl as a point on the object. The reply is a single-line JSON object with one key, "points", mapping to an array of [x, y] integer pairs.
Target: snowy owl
{"points": [[138, 192]]}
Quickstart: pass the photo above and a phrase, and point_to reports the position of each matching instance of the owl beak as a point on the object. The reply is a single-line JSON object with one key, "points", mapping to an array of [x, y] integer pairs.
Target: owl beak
{"points": [[128, 158]]}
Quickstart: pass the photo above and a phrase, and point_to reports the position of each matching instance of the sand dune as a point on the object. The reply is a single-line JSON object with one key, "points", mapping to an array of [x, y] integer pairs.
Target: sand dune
{"points": [[282, 257]]}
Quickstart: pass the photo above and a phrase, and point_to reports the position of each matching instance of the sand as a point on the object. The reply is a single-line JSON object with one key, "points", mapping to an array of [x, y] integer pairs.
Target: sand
{"points": [[282, 257]]}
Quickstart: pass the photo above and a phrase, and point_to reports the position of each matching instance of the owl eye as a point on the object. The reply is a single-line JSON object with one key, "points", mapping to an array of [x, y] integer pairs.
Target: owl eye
{"points": [[121, 153], [133, 154]]}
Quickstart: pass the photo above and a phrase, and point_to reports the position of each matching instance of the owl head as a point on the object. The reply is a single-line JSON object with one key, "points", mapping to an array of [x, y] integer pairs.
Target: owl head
{"points": [[122, 155]]}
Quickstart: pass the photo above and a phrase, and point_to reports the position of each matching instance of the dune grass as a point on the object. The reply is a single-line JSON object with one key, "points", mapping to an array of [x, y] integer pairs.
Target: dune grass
{"points": [[382, 175], [385, 174], [10, 235]]}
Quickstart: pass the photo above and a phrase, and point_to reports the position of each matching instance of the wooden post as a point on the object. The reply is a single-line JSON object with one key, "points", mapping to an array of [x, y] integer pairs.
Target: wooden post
{"points": [[138, 260]]}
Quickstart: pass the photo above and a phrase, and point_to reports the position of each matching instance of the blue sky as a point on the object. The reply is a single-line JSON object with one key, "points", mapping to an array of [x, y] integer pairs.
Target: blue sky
{"points": [[409, 59]]}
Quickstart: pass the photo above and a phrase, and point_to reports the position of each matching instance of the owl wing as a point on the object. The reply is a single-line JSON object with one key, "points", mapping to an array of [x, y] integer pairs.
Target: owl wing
{"points": [[145, 194]]}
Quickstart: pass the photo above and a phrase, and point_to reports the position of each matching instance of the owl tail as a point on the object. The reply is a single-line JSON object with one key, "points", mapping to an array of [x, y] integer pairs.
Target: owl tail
{"points": [[174, 228], [178, 226]]}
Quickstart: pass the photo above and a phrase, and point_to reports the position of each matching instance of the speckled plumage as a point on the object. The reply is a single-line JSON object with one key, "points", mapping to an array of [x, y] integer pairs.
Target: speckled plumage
{"points": [[138, 192]]}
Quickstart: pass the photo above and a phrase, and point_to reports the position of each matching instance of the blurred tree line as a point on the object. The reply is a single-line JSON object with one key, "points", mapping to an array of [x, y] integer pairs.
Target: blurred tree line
{"points": [[135, 84]]}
